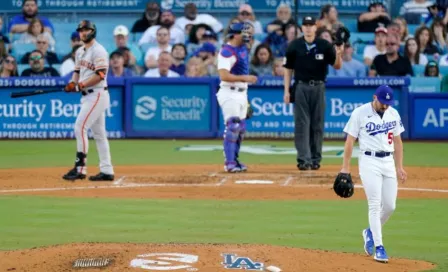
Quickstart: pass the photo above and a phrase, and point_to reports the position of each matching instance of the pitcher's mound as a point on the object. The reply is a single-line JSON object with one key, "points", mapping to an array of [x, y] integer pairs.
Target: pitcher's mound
{"points": [[193, 257]]}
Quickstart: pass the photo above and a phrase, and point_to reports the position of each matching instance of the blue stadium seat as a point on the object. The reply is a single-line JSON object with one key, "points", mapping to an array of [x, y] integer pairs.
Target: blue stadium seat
{"points": [[419, 70], [56, 66], [360, 36], [425, 85], [20, 49], [443, 70], [412, 29], [260, 37], [351, 24], [21, 67]]}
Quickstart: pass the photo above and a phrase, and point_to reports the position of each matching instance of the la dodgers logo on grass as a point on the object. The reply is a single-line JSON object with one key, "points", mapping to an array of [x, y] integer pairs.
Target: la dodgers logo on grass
{"points": [[232, 261]]}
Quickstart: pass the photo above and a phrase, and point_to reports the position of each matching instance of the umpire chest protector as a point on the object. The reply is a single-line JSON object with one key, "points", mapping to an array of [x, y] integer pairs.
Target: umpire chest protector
{"points": [[310, 60], [241, 67]]}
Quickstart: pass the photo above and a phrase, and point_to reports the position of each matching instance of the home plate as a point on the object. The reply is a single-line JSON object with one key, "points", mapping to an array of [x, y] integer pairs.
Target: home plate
{"points": [[254, 181]]}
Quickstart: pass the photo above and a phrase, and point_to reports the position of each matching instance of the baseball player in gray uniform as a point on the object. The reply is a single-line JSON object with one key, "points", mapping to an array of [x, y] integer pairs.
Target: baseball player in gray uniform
{"points": [[90, 79]]}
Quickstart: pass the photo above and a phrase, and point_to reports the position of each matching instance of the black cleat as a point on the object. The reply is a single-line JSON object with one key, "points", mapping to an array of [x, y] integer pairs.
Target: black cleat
{"points": [[73, 175], [315, 166], [304, 167], [102, 177]]}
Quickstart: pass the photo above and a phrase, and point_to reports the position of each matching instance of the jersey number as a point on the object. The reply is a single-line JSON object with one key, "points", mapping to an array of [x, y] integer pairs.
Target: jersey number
{"points": [[390, 137]]}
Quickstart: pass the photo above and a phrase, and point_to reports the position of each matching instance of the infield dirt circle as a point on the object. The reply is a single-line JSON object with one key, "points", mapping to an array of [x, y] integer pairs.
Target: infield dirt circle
{"points": [[203, 182]]}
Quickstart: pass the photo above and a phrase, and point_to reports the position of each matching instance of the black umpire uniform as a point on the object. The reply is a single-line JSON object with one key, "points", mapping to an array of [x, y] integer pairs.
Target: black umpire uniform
{"points": [[309, 57]]}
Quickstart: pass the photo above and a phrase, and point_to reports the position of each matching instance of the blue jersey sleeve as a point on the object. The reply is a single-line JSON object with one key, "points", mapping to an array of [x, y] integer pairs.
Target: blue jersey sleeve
{"points": [[226, 52]]}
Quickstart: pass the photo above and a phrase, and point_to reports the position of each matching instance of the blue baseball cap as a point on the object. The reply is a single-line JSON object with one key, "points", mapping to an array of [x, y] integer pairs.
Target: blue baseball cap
{"points": [[207, 47], [75, 36], [385, 95]]}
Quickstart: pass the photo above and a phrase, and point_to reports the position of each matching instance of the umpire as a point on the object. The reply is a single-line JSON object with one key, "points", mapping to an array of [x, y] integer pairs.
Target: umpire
{"points": [[309, 58]]}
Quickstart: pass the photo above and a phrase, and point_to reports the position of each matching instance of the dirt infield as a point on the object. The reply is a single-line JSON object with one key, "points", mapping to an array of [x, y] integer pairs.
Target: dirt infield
{"points": [[204, 182]]}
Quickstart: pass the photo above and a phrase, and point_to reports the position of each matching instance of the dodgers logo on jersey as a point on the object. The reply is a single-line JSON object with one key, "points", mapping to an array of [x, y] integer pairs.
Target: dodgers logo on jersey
{"points": [[232, 261], [374, 129], [243, 54]]}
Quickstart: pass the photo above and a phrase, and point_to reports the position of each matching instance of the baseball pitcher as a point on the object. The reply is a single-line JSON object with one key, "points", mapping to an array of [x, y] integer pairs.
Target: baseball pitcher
{"points": [[89, 79], [377, 126], [233, 69]]}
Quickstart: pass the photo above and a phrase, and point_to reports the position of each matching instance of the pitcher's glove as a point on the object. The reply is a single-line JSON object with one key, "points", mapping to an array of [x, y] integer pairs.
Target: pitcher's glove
{"points": [[342, 36], [250, 111], [343, 185]]}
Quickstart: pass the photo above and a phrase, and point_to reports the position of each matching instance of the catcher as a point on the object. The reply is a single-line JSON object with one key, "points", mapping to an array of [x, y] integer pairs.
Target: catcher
{"points": [[309, 57]]}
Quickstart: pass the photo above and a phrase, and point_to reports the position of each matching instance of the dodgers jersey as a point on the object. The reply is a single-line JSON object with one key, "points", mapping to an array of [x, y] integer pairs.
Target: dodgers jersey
{"points": [[373, 132], [235, 60], [88, 61]]}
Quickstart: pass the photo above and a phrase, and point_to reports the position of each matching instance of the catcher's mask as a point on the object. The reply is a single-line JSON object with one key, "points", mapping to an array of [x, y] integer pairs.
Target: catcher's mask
{"points": [[243, 28], [86, 24]]}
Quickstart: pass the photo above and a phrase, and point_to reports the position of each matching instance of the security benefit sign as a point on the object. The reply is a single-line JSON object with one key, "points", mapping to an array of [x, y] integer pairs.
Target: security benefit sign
{"points": [[52, 115], [170, 110], [274, 119], [430, 120]]}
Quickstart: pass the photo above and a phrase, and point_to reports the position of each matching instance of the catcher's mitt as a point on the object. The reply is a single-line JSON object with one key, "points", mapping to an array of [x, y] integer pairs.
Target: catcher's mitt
{"points": [[343, 185], [342, 36], [250, 111]]}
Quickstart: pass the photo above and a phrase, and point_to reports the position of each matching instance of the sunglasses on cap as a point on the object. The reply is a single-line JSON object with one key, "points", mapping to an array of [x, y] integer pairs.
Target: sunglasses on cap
{"points": [[36, 57]]}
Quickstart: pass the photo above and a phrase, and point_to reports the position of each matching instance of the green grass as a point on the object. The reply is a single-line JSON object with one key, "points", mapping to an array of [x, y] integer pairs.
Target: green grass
{"points": [[132, 152], [417, 229]]}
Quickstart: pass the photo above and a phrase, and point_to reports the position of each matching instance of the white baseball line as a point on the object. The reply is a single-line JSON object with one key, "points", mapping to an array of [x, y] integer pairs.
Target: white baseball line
{"points": [[119, 181], [287, 181], [222, 181]]}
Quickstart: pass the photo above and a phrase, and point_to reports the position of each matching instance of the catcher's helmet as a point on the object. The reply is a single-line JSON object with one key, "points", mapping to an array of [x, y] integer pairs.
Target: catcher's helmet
{"points": [[86, 24], [240, 28]]}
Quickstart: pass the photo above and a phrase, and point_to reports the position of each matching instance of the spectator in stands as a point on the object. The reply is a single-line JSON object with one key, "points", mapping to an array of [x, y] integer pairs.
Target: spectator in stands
{"points": [[263, 61], [412, 52], [19, 23], [350, 67], [279, 70], [42, 45], [8, 67], [432, 70], [391, 63], [404, 31], [37, 66], [68, 65], [394, 29], [434, 11], [130, 61], [329, 18], [121, 37], [371, 51], [75, 40], [283, 19], [195, 68], [413, 10], [167, 20], [325, 34], [3, 50], [178, 53], [3, 38], [438, 31], [150, 17], [117, 69], [425, 41], [253, 43], [277, 41], [293, 32], [376, 16], [36, 28], [191, 16], [246, 13], [152, 54], [196, 37], [208, 55], [163, 70]]}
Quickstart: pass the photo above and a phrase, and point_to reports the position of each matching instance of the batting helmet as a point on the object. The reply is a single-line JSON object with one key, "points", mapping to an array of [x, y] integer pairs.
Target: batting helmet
{"points": [[86, 24]]}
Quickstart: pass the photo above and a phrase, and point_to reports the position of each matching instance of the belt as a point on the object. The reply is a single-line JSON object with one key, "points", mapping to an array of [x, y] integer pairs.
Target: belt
{"points": [[312, 82], [90, 91], [379, 154], [237, 89]]}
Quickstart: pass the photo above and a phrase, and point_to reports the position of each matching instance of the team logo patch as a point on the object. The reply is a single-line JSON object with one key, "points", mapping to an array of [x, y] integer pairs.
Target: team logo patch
{"points": [[387, 96], [232, 261], [374, 129], [319, 56]]}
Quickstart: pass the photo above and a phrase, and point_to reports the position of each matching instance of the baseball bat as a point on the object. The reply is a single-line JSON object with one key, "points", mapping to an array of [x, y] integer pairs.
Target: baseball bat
{"points": [[35, 92]]}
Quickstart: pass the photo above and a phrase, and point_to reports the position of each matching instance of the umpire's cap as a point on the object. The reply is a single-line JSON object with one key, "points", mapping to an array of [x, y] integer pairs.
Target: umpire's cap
{"points": [[86, 24]]}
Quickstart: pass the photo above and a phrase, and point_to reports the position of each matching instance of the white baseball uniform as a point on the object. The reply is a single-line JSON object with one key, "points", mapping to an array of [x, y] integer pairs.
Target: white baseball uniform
{"points": [[233, 102], [93, 105], [378, 174]]}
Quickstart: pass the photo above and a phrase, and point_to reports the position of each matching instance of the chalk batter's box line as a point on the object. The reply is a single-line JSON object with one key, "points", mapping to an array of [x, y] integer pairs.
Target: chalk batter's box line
{"points": [[219, 182]]}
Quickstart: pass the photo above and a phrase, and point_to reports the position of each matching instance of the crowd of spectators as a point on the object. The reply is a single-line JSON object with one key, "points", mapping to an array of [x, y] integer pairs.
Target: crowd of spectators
{"points": [[188, 45]]}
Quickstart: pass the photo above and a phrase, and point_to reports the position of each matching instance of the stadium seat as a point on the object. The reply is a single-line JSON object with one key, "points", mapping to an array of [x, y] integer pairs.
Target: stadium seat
{"points": [[20, 49], [419, 70], [425, 85], [351, 24], [360, 36], [412, 28], [443, 70], [21, 67]]}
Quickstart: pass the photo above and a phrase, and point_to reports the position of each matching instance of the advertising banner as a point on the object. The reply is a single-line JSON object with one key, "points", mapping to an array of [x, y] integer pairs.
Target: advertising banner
{"points": [[49, 115], [343, 6], [175, 108], [429, 116]]}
